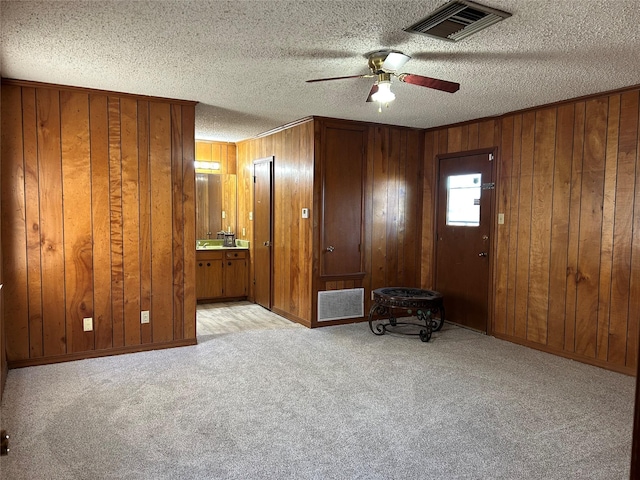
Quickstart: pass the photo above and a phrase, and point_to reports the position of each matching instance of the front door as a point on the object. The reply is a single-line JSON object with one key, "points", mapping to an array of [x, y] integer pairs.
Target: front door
{"points": [[464, 220], [263, 230]]}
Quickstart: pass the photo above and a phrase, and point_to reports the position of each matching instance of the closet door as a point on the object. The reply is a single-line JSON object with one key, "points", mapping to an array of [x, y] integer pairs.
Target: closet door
{"points": [[343, 164]]}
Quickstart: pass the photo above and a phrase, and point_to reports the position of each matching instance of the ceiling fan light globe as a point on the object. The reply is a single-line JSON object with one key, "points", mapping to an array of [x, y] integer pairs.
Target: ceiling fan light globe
{"points": [[384, 93]]}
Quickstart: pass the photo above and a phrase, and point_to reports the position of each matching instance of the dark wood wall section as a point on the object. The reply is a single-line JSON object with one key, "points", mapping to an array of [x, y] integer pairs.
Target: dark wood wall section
{"points": [[391, 215], [566, 262], [3, 354], [98, 221], [392, 210]]}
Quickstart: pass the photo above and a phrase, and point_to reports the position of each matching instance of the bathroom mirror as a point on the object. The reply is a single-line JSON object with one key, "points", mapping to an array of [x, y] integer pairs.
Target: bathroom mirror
{"points": [[215, 204]]}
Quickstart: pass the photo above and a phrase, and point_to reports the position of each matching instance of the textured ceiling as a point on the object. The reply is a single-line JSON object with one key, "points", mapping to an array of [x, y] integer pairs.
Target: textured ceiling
{"points": [[246, 62]]}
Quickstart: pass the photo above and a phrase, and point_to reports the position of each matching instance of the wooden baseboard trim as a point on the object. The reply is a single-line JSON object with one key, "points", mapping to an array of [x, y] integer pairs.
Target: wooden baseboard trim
{"points": [[572, 356], [32, 362], [202, 301], [291, 317]]}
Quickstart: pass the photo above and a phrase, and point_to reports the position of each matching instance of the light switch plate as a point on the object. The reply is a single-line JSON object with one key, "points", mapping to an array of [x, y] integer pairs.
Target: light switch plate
{"points": [[305, 213], [250, 215], [87, 324], [501, 219]]}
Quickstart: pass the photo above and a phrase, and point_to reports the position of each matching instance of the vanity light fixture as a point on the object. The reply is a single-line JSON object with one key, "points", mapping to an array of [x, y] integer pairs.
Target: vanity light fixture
{"points": [[207, 165]]}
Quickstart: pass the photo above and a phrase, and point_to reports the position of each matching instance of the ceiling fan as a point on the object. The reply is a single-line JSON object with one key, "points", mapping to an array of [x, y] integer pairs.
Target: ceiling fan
{"points": [[384, 64]]}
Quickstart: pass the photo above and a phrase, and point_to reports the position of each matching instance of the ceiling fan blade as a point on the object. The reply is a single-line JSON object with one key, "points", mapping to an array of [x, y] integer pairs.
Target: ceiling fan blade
{"points": [[337, 78], [374, 89], [395, 61], [428, 82]]}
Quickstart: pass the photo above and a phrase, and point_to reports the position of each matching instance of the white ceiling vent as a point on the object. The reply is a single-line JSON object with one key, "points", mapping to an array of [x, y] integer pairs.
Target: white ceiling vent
{"points": [[457, 20]]}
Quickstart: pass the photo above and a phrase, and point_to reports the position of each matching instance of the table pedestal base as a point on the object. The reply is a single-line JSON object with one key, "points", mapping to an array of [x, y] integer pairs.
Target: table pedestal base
{"points": [[427, 304]]}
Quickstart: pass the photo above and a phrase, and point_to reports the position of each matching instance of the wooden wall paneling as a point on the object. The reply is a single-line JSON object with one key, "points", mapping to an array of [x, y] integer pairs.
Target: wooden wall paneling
{"points": [[589, 242], [279, 227], [177, 222], [473, 136], [14, 293], [511, 223], [115, 203], [288, 151], [295, 199], [454, 139], [161, 223], [606, 236], [443, 141], [78, 254], [217, 156], [524, 224], [232, 159], [411, 194], [541, 210], [623, 218], [380, 208], [574, 227], [368, 212], [392, 242], [86, 195], [100, 221], [486, 134], [144, 191], [203, 151], [503, 203], [188, 200], [464, 140], [130, 220], [560, 227], [32, 217], [51, 223], [247, 202], [429, 186], [634, 288], [306, 260]]}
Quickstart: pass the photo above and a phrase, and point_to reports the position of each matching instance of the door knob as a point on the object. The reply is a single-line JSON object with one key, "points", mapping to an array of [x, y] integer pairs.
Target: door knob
{"points": [[330, 248], [482, 254]]}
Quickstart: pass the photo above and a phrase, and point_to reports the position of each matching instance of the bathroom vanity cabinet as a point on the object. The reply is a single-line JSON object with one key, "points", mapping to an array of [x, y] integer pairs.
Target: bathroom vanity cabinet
{"points": [[221, 274]]}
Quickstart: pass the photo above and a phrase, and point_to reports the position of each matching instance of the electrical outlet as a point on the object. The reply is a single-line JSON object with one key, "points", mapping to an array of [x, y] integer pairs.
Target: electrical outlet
{"points": [[144, 316], [87, 324]]}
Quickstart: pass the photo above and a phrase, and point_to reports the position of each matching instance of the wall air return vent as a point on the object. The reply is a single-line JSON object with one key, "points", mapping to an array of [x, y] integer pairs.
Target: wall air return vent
{"points": [[339, 304], [457, 20]]}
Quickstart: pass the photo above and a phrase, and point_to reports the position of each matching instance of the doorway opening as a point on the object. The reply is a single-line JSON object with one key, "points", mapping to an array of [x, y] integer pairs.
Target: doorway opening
{"points": [[263, 231], [464, 228]]}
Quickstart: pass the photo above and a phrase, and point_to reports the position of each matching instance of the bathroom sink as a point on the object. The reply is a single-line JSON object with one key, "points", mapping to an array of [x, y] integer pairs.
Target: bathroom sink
{"points": [[207, 244]]}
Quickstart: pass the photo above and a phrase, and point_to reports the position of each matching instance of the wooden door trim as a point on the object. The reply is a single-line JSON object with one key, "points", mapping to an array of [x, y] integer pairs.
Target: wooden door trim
{"points": [[271, 161], [492, 227]]}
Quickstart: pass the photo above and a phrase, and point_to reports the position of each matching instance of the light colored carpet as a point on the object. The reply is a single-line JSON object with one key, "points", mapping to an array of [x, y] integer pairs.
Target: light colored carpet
{"points": [[329, 403]]}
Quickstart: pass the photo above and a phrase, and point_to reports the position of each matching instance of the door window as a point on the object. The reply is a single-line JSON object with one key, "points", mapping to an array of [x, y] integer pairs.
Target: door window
{"points": [[463, 200]]}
